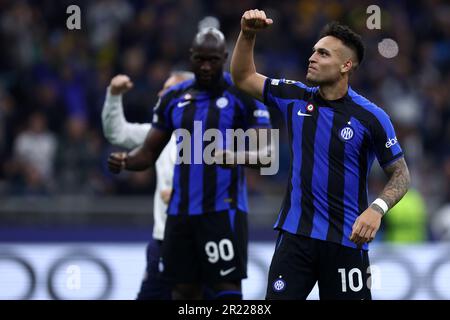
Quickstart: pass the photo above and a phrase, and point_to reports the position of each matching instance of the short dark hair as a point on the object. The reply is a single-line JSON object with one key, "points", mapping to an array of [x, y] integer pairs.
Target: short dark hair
{"points": [[350, 38]]}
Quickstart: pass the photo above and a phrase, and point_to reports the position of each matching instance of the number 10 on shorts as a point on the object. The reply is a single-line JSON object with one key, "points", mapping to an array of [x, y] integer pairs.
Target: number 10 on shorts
{"points": [[356, 283], [221, 250], [355, 287]]}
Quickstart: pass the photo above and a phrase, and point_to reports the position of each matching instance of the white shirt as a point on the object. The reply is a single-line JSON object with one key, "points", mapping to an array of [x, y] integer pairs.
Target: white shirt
{"points": [[37, 150], [128, 135]]}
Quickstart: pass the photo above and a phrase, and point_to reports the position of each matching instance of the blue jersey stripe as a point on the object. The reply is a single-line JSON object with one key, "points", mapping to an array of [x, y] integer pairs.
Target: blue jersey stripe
{"points": [[320, 176], [351, 190], [212, 119], [196, 168], [176, 192], [287, 198], [242, 201], [222, 197], [232, 216], [294, 214]]}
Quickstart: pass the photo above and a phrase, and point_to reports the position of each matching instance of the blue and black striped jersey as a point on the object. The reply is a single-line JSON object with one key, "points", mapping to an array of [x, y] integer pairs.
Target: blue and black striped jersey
{"points": [[332, 145], [198, 187]]}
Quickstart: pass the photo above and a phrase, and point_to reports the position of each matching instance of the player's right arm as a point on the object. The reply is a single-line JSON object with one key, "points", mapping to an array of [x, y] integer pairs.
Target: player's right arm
{"points": [[141, 157], [243, 70], [116, 129]]}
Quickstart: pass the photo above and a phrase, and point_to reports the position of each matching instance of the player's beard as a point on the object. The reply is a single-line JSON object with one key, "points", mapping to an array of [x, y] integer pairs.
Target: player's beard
{"points": [[213, 82], [315, 82], [311, 82]]}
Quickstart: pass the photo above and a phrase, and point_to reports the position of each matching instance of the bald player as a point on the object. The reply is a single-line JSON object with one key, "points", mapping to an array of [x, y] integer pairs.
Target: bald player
{"points": [[205, 241]]}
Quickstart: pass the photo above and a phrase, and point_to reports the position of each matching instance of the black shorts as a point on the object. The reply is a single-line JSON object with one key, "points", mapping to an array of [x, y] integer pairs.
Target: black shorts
{"points": [[299, 262], [208, 248]]}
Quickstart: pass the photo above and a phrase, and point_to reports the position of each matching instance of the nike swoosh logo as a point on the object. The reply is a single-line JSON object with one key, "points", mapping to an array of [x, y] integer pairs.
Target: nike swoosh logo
{"points": [[182, 103], [299, 113], [223, 273]]}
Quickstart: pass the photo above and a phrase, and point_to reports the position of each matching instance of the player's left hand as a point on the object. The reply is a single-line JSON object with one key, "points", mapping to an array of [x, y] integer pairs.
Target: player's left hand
{"points": [[366, 226]]}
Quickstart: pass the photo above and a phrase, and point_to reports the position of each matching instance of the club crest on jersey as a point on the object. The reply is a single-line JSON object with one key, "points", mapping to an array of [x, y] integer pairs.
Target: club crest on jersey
{"points": [[222, 102], [347, 133], [279, 285], [310, 107]]}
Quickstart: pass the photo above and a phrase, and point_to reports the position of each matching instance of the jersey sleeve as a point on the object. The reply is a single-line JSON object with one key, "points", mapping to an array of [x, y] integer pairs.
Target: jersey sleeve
{"points": [[278, 93], [162, 113], [384, 140]]}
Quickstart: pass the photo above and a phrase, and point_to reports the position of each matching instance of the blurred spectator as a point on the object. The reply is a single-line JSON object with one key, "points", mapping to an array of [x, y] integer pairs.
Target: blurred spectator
{"points": [[7, 120], [77, 159], [48, 101], [18, 26], [104, 19], [34, 154], [440, 224]]}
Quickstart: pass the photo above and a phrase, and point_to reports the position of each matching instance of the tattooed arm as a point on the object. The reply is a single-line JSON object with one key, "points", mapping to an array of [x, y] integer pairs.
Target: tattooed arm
{"points": [[368, 223], [397, 185]]}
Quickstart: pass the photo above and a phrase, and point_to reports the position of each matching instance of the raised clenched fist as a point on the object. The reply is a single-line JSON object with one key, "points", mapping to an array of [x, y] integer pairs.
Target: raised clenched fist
{"points": [[120, 84], [254, 20]]}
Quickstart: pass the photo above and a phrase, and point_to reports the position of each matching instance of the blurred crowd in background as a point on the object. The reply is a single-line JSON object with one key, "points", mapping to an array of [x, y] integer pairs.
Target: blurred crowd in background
{"points": [[53, 83]]}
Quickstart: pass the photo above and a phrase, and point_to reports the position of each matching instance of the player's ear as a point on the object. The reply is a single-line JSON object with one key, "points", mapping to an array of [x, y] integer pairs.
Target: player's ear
{"points": [[225, 56], [346, 66]]}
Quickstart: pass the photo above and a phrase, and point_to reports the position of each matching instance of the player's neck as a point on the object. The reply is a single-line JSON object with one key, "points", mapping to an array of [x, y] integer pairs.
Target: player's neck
{"points": [[334, 91]]}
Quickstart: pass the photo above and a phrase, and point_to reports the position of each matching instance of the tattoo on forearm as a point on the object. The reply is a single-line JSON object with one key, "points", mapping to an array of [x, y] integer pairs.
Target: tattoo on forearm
{"points": [[398, 183]]}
